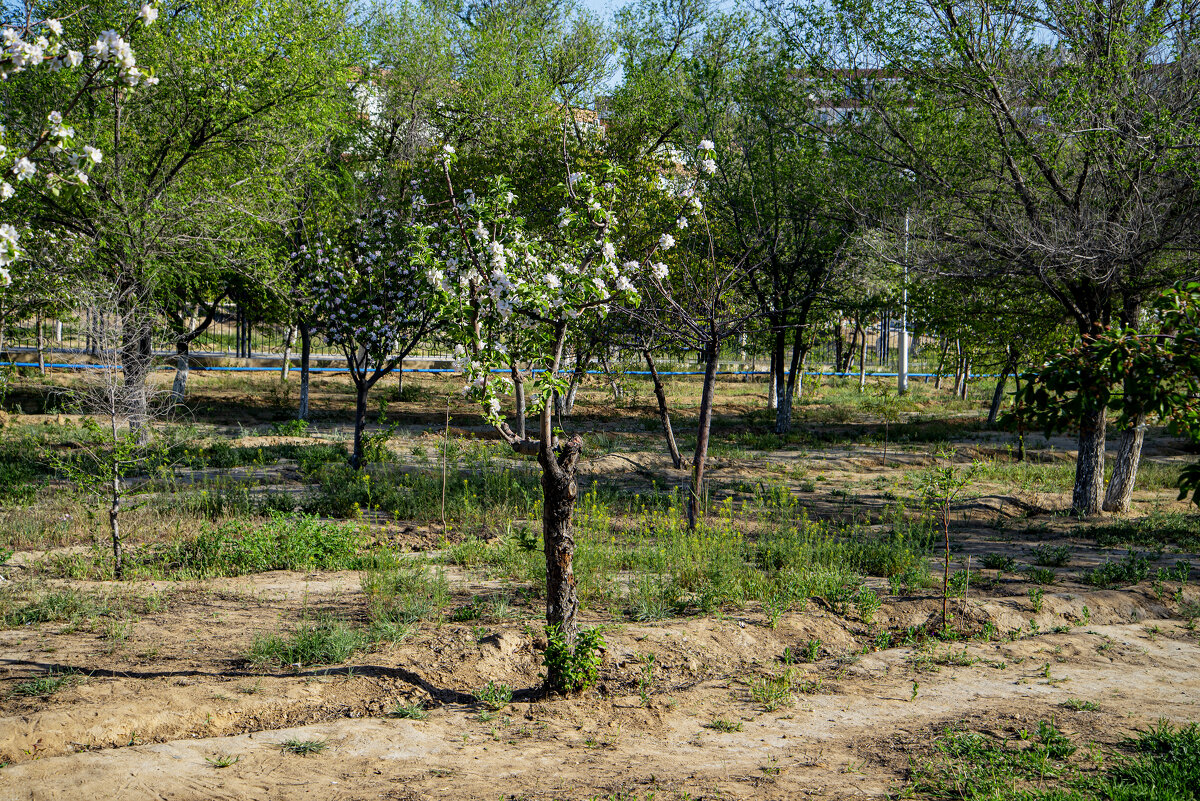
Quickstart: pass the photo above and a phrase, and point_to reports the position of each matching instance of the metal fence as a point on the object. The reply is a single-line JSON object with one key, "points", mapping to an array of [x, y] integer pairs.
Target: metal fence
{"points": [[233, 334]]}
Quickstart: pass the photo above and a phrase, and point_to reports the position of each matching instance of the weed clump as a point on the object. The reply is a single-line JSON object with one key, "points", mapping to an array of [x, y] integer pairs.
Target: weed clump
{"points": [[324, 642]]}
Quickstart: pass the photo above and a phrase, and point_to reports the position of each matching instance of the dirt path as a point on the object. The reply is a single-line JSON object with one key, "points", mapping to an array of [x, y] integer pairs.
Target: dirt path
{"points": [[147, 725]]}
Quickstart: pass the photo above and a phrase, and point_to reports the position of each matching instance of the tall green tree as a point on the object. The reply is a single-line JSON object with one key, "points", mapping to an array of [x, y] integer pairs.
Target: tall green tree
{"points": [[1052, 142]]}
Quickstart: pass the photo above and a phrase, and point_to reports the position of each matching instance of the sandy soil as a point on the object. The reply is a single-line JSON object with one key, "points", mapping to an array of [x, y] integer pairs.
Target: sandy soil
{"points": [[144, 719]]}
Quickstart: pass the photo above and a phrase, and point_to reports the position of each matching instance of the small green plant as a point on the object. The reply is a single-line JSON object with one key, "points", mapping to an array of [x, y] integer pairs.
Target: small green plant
{"points": [[1133, 568], [1051, 555], [1035, 598], [916, 686], [811, 650], [413, 711], [647, 677], [495, 696], [42, 686], [325, 642], [939, 487], [570, 671], [1078, 705], [290, 428], [998, 561], [773, 692], [1040, 575], [868, 604], [723, 724], [405, 592], [304, 747], [222, 760]]}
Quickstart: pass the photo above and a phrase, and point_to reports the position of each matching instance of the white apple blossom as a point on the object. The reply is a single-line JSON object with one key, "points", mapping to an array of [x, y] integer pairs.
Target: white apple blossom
{"points": [[609, 251], [147, 14], [660, 270], [55, 26], [706, 144], [708, 165], [24, 169], [6, 190], [93, 153], [666, 242], [682, 223]]}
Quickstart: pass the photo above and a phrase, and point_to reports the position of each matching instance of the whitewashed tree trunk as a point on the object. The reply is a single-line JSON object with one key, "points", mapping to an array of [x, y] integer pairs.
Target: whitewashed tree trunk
{"points": [[1129, 453]]}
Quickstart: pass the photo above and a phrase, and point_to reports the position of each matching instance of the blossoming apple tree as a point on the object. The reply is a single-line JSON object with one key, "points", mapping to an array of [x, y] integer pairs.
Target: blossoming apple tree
{"points": [[370, 295], [53, 160], [507, 282]]}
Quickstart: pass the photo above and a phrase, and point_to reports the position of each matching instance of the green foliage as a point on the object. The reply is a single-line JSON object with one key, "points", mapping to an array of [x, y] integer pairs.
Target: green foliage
{"points": [[998, 561], [43, 686], [570, 671], [1133, 568], [1163, 764], [20, 475], [1040, 575], [324, 642], [1051, 555], [471, 497], [414, 711], [237, 547], [1154, 530], [724, 725], [773, 692], [304, 747], [405, 591], [494, 696], [290, 428], [68, 605]]}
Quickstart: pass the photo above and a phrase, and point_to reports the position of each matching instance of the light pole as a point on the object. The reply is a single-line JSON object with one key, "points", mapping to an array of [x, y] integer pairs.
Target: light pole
{"points": [[902, 373]]}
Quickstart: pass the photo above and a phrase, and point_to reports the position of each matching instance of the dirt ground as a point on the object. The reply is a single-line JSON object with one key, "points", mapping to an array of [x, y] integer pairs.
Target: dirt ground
{"points": [[146, 719], [150, 714]]}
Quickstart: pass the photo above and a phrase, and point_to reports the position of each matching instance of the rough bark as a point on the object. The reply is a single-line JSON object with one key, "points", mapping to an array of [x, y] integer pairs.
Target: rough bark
{"points": [[136, 362], [772, 388], [41, 347], [862, 364], [559, 492], [179, 385], [937, 382], [286, 367], [305, 356], [844, 367], [1129, 452], [787, 391], [696, 490], [998, 395], [360, 422], [1088, 493], [664, 412]]}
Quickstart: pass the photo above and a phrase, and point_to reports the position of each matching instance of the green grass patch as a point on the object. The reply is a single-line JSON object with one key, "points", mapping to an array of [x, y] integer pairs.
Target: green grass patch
{"points": [[1153, 531], [233, 548], [323, 642], [1161, 764], [405, 591]]}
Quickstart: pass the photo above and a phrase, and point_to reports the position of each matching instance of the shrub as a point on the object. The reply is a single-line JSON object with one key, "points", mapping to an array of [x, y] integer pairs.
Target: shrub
{"points": [[573, 672], [1051, 555], [1133, 568]]}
